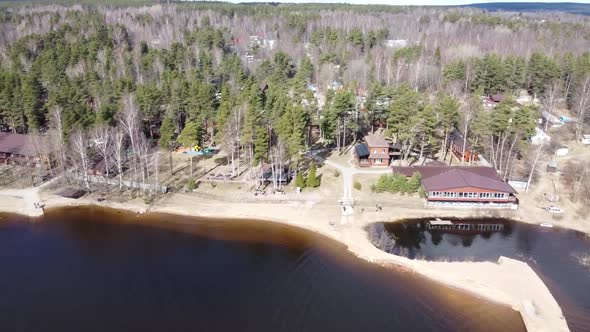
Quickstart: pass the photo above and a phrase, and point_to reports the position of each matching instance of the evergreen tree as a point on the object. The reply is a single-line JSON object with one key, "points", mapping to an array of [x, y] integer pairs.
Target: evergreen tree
{"points": [[282, 68], [447, 111], [167, 138], [454, 71], [167, 133], [302, 77], [261, 144], [406, 103], [355, 37], [300, 180], [291, 129], [225, 105], [342, 107], [312, 180], [490, 75], [542, 70], [149, 99], [11, 110], [424, 126], [32, 106], [515, 69], [191, 134], [201, 102], [437, 57]]}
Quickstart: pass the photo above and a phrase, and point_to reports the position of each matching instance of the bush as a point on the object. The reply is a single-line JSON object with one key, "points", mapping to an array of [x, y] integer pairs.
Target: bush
{"points": [[422, 192], [336, 173], [149, 199], [398, 183], [357, 185], [415, 182], [191, 185]]}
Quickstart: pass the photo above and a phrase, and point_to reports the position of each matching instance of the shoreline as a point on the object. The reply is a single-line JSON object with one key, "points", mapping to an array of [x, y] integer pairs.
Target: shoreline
{"points": [[507, 282]]}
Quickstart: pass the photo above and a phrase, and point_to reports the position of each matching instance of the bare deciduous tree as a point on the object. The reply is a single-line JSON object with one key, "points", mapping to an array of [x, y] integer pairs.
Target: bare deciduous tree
{"points": [[101, 136], [80, 157], [118, 139], [469, 111], [553, 93], [129, 121], [534, 165], [582, 104], [57, 124]]}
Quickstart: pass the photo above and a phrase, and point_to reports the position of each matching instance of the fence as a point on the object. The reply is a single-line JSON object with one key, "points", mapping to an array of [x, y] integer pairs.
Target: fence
{"points": [[128, 184]]}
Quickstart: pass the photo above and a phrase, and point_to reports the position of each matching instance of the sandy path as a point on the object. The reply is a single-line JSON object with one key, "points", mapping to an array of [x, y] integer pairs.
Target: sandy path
{"points": [[348, 173], [20, 201]]}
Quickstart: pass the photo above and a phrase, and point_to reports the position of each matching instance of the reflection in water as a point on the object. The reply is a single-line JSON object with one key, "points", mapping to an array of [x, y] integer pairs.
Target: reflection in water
{"points": [[97, 270], [552, 253]]}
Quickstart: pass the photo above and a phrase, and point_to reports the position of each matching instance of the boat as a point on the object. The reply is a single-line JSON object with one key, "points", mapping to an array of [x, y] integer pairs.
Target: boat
{"points": [[544, 224]]}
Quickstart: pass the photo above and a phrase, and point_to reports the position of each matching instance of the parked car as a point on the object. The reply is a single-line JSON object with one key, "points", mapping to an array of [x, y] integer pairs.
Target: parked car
{"points": [[554, 209]]}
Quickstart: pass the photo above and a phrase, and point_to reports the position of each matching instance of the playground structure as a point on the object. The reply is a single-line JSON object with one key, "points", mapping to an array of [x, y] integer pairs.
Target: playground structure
{"points": [[196, 151]]}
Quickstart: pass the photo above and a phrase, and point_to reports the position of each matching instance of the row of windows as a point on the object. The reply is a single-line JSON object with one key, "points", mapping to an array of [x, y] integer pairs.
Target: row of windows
{"points": [[468, 227], [446, 194], [493, 195], [451, 194]]}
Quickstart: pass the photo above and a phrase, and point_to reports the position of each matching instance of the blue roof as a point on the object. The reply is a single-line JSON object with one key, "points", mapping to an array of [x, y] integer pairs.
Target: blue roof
{"points": [[361, 150]]}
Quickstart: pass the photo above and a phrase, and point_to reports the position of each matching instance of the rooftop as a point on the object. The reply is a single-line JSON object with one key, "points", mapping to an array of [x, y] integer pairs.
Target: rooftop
{"points": [[448, 177], [497, 98], [17, 144], [361, 150], [439, 178], [376, 141], [550, 117]]}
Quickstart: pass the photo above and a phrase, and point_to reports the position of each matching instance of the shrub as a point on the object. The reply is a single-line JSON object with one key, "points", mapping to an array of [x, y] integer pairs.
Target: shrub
{"points": [[149, 199], [383, 184], [191, 185], [421, 192], [415, 182], [336, 173], [357, 185], [398, 183]]}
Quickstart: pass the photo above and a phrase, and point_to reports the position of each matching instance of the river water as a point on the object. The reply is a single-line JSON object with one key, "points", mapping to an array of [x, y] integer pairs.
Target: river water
{"points": [[560, 257], [90, 269]]}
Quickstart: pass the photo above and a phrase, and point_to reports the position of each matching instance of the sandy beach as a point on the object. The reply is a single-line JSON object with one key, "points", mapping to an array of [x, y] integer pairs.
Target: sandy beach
{"points": [[508, 281]]}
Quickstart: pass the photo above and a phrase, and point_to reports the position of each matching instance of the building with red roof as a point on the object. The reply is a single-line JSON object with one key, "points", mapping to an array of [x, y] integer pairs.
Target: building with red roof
{"points": [[376, 151], [22, 149], [463, 186]]}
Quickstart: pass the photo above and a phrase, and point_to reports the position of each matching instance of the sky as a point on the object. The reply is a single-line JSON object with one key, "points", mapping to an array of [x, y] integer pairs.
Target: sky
{"points": [[406, 2]]}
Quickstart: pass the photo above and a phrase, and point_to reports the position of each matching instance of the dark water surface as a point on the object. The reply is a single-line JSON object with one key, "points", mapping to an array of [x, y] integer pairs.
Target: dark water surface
{"points": [[553, 253], [96, 270]]}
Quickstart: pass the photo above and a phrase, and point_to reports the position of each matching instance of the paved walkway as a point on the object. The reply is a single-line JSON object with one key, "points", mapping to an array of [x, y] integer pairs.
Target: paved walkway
{"points": [[348, 173]]}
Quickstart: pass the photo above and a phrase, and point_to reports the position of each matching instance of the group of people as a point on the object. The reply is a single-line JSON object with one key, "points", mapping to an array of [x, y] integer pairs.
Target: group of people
{"points": [[38, 205]]}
